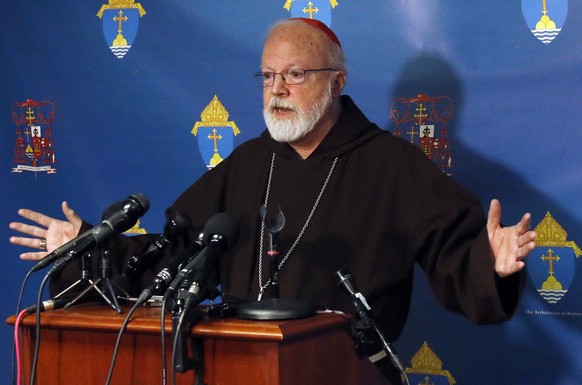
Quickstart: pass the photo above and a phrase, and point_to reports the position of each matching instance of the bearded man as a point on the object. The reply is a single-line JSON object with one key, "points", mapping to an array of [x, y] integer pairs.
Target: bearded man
{"points": [[354, 197]]}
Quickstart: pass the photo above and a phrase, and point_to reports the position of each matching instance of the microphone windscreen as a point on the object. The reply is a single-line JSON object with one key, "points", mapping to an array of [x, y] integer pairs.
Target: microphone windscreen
{"points": [[222, 224], [143, 201], [178, 222]]}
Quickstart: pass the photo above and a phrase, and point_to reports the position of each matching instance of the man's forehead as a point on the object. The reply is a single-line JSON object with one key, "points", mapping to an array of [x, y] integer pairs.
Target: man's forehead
{"points": [[297, 46]]}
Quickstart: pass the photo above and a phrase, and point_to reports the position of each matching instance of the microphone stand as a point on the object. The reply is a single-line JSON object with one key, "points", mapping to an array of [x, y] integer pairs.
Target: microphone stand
{"points": [[274, 308], [369, 339], [85, 278], [106, 282]]}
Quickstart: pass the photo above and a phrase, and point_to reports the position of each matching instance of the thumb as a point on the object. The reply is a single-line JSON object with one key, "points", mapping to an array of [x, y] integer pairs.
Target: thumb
{"points": [[494, 217], [71, 215]]}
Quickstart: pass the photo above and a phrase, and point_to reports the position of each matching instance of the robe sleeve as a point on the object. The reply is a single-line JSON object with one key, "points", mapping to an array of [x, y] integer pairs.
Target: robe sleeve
{"points": [[453, 250]]}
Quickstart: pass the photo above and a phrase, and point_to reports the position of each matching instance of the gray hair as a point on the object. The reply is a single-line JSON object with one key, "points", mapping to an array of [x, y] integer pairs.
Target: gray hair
{"points": [[335, 53]]}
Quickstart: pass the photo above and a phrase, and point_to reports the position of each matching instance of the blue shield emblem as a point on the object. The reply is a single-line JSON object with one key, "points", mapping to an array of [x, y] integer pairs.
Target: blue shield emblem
{"points": [[120, 29], [552, 271], [120, 24], [215, 144], [215, 133], [312, 9], [545, 19], [551, 264]]}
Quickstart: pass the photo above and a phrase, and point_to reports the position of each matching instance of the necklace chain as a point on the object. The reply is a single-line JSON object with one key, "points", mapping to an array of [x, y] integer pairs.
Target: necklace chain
{"points": [[262, 287]]}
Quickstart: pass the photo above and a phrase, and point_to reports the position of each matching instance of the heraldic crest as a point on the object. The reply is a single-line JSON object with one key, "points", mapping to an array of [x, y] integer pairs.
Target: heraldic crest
{"points": [[120, 24], [33, 148]]}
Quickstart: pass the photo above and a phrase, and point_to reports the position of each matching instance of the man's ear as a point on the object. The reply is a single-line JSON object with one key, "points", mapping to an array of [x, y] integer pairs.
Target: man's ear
{"points": [[339, 82]]}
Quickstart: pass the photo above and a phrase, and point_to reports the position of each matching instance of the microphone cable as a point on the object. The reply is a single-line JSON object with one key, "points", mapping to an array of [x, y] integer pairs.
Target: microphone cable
{"points": [[16, 363], [37, 329], [163, 340], [118, 341], [175, 342]]}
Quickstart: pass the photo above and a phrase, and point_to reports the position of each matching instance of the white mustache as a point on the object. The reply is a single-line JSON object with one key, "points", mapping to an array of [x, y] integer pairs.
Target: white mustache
{"points": [[277, 102]]}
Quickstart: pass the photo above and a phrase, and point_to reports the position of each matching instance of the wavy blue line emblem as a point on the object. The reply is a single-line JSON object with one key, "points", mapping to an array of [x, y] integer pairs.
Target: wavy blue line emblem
{"points": [[545, 18]]}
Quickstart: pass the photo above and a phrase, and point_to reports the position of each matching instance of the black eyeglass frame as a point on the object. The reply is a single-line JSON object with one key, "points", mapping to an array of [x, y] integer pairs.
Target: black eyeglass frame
{"points": [[260, 76]]}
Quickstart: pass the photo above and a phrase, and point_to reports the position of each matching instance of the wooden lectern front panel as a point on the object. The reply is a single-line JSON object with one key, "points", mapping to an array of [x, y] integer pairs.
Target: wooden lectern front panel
{"points": [[76, 347]]}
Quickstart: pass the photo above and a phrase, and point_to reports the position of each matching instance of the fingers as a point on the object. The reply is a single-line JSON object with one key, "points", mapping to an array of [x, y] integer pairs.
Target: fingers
{"points": [[524, 224], [33, 256], [71, 215], [510, 245], [494, 216], [36, 217], [33, 243], [527, 239], [33, 231], [517, 267], [526, 244]]}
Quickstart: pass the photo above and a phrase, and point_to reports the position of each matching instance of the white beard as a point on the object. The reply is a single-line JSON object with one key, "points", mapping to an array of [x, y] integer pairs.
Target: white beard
{"points": [[296, 128]]}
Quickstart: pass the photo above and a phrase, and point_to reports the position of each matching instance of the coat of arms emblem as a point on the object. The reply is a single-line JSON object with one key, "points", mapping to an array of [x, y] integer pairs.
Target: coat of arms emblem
{"points": [[215, 133], [33, 147], [551, 264], [312, 9], [120, 24], [545, 18]]}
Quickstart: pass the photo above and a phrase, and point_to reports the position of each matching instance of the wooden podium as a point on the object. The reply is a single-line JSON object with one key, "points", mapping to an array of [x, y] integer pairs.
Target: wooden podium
{"points": [[76, 347]]}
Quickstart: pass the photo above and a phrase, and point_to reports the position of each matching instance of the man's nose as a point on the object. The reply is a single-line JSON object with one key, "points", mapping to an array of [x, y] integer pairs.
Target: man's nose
{"points": [[279, 86]]}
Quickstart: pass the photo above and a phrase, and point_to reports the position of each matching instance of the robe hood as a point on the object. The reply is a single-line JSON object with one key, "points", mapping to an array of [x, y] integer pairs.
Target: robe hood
{"points": [[351, 130]]}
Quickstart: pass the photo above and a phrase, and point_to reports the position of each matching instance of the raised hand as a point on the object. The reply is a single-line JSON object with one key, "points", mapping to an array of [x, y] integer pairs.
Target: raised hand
{"points": [[510, 245], [47, 233]]}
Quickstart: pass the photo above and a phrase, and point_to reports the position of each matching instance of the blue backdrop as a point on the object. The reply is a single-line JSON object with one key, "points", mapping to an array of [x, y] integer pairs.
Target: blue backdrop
{"points": [[98, 101]]}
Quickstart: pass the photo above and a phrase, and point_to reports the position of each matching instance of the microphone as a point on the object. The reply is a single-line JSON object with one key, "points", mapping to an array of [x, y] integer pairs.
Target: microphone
{"points": [[217, 242], [164, 276], [220, 234], [348, 284], [176, 225], [117, 218]]}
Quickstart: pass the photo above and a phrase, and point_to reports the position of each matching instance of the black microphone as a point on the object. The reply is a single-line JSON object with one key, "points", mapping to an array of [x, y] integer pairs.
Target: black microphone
{"points": [[117, 218], [225, 237], [348, 284], [176, 225], [165, 276], [220, 234]]}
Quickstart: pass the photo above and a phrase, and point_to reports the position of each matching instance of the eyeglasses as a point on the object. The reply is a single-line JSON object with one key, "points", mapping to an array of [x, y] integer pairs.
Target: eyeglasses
{"points": [[292, 76]]}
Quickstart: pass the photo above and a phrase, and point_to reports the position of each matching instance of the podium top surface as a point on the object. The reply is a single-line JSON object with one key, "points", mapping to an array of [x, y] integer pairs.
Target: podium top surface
{"points": [[146, 320]]}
